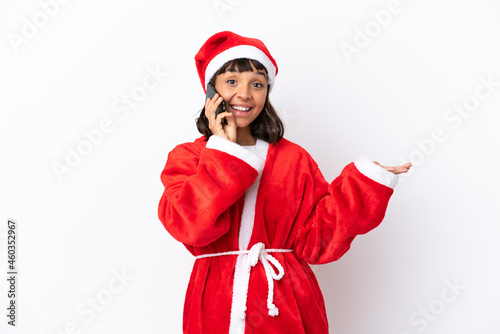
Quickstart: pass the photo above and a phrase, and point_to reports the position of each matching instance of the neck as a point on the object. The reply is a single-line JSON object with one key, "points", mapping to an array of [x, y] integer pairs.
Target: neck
{"points": [[244, 137]]}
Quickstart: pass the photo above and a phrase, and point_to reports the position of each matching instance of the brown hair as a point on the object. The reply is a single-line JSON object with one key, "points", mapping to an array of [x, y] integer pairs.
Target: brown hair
{"points": [[267, 126]]}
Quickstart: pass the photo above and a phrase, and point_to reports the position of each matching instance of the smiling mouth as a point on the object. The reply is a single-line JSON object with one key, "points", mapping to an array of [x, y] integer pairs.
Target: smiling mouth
{"points": [[240, 108]]}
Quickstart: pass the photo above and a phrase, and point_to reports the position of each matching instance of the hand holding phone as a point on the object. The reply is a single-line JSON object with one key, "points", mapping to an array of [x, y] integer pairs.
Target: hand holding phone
{"points": [[222, 107]]}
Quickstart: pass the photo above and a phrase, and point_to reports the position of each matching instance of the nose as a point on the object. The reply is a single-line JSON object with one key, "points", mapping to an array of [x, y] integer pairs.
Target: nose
{"points": [[244, 92]]}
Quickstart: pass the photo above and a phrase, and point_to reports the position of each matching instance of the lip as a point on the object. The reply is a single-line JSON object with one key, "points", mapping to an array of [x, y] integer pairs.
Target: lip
{"points": [[239, 112], [242, 105]]}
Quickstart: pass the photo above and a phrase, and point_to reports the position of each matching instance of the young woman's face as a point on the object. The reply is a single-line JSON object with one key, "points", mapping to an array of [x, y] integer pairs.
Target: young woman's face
{"points": [[244, 94]]}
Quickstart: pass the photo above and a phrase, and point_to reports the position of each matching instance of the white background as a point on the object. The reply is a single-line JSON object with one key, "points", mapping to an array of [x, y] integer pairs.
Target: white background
{"points": [[79, 232]]}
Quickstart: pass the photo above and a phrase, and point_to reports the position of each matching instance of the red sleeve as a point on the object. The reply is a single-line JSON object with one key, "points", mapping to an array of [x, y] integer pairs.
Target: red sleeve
{"points": [[333, 214], [201, 183]]}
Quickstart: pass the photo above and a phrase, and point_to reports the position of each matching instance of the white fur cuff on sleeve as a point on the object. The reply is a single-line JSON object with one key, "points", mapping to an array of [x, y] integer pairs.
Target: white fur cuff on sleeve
{"points": [[376, 173], [225, 145]]}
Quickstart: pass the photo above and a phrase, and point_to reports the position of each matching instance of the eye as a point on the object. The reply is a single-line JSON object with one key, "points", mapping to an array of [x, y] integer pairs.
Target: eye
{"points": [[258, 85], [231, 81]]}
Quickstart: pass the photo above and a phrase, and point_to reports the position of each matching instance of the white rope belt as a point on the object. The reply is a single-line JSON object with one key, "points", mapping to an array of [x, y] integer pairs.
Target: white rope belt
{"points": [[256, 253]]}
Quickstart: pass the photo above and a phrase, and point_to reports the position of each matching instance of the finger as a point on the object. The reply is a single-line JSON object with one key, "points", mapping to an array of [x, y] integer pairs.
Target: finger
{"points": [[207, 110], [223, 115], [391, 169], [216, 99], [215, 105], [401, 170], [218, 118], [404, 168], [210, 108], [210, 102], [395, 169], [231, 121]]}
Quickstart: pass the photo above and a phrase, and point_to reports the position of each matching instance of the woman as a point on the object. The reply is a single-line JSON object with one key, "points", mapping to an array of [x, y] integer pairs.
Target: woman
{"points": [[255, 209]]}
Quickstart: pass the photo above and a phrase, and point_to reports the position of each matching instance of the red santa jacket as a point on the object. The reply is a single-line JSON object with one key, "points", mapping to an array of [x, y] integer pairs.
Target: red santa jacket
{"points": [[271, 203]]}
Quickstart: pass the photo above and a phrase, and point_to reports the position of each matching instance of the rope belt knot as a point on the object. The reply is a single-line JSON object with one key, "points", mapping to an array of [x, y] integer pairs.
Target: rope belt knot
{"points": [[257, 253]]}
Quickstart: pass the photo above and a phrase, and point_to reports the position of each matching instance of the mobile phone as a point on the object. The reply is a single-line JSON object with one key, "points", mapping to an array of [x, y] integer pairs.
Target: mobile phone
{"points": [[222, 107]]}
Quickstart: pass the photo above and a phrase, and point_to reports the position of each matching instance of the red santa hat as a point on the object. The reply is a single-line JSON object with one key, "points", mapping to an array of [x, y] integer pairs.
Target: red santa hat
{"points": [[225, 46]]}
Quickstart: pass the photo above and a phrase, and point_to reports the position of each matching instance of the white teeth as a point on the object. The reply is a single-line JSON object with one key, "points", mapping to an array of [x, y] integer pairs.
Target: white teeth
{"points": [[240, 108]]}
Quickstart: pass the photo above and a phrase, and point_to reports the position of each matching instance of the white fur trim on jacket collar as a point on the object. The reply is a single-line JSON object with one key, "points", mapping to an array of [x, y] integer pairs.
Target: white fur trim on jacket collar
{"points": [[239, 151]]}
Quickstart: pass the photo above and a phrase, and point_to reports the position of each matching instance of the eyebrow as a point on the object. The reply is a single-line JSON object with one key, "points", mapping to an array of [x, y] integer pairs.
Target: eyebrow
{"points": [[261, 73], [256, 72]]}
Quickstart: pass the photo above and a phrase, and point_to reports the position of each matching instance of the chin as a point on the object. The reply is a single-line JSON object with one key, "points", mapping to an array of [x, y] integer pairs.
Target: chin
{"points": [[242, 123]]}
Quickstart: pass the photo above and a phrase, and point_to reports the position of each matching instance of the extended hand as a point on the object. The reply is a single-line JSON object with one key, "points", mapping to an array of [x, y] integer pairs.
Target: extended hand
{"points": [[396, 169]]}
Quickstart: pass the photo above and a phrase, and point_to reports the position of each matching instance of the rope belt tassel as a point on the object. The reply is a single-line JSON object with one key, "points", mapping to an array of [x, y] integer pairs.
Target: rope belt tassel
{"points": [[256, 253]]}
